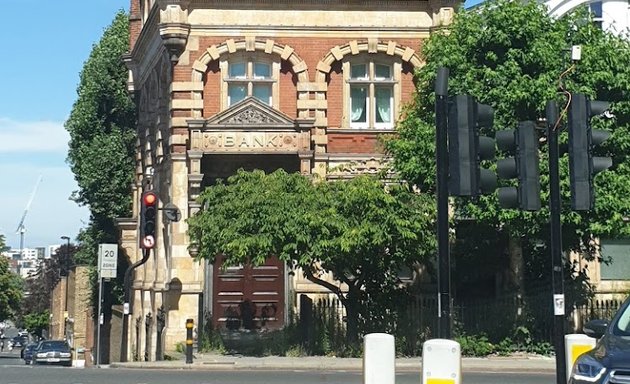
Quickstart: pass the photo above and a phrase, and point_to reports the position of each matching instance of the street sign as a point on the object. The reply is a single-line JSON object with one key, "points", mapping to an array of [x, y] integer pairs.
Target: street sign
{"points": [[107, 260]]}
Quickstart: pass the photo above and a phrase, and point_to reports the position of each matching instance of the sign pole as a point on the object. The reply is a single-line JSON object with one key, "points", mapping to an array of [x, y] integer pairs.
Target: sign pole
{"points": [[100, 320], [107, 266]]}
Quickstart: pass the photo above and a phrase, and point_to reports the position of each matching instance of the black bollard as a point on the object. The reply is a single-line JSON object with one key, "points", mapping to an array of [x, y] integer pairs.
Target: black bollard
{"points": [[189, 340]]}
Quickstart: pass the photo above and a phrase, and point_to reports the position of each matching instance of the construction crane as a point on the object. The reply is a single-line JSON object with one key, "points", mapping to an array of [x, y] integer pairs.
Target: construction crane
{"points": [[21, 229]]}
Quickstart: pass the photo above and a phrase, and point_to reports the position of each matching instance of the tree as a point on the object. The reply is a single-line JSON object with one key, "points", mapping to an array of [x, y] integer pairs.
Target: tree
{"points": [[512, 55], [10, 288], [358, 231], [102, 127]]}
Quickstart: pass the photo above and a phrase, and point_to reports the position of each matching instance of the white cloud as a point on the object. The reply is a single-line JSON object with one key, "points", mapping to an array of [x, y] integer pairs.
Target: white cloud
{"points": [[28, 150], [32, 136]]}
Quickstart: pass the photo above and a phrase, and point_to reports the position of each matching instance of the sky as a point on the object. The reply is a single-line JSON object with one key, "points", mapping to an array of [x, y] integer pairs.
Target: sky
{"points": [[45, 44]]}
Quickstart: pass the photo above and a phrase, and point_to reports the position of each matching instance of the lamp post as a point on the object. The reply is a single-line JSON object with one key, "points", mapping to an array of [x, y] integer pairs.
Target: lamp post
{"points": [[64, 268]]}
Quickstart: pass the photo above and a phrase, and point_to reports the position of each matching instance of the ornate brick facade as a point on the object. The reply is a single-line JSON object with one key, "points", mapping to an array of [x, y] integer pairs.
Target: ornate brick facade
{"points": [[302, 85]]}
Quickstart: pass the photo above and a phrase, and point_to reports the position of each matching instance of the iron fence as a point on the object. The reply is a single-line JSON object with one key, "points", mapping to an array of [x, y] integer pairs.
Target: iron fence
{"points": [[510, 316]]}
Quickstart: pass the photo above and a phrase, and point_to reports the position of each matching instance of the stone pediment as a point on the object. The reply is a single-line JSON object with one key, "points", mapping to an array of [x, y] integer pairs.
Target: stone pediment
{"points": [[251, 113]]}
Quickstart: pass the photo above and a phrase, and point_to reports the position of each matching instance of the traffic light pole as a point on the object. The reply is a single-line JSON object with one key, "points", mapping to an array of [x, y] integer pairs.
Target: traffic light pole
{"points": [[127, 306], [441, 146], [556, 243]]}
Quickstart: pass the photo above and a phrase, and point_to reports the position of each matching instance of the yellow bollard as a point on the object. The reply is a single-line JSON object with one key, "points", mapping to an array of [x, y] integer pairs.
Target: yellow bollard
{"points": [[574, 346], [441, 362]]}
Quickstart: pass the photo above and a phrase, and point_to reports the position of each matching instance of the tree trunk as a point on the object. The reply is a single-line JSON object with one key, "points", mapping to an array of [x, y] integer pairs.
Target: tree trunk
{"points": [[352, 315], [516, 275]]}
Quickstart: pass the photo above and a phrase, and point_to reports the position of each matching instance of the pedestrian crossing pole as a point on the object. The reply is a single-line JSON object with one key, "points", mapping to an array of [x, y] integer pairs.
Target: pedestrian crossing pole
{"points": [[556, 243], [443, 257]]}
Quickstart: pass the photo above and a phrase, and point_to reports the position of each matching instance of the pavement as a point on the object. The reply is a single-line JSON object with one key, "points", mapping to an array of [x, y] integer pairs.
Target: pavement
{"points": [[516, 363]]}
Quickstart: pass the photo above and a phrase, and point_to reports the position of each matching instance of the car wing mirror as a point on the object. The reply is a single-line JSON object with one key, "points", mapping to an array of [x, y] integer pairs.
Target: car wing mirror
{"points": [[596, 328]]}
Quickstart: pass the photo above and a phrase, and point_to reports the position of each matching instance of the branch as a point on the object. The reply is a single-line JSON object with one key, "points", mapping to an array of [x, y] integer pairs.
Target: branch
{"points": [[333, 288]]}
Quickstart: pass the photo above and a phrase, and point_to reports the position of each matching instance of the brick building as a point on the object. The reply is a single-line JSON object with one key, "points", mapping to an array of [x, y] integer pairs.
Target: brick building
{"points": [[307, 86]]}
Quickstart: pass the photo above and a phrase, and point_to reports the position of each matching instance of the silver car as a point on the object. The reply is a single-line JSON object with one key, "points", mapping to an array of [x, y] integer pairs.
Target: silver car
{"points": [[53, 352]]}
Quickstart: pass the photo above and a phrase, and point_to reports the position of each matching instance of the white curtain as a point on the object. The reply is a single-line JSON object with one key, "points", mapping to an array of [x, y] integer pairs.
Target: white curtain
{"points": [[384, 105], [357, 95]]}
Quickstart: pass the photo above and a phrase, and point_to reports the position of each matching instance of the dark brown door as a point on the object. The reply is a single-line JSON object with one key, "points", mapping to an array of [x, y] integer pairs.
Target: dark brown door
{"points": [[248, 297]]}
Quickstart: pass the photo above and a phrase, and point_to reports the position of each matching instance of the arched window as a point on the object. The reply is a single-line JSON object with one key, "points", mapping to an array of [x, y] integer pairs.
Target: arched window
{"points": [[250, 75], [372, 88]]}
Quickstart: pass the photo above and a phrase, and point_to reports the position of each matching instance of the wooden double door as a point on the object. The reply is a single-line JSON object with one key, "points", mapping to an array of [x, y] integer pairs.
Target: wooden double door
{"points": [[248, 297]]}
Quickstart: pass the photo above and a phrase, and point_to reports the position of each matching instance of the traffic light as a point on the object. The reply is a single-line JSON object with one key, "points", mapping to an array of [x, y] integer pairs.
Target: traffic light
{"points": [[466, 148], [582, 140], [523, 144], [148, 213]]}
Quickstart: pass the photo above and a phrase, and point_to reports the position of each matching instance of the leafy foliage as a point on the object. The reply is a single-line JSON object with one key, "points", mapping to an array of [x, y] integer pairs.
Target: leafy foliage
{"points": [[513, 56], [10, 288], [358, 231], [102, 127], [36, 323]]}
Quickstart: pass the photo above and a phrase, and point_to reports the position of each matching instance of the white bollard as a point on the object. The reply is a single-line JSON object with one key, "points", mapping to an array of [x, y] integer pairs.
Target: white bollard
{"points": [[441, 362], [575, 345], [379, 359]]}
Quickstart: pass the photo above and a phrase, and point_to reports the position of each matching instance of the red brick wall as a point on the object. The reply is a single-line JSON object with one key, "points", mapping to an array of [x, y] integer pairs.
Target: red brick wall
{"points": [[353, 143], [288, 90], [311, 51], [211, 87], [335, 96]]}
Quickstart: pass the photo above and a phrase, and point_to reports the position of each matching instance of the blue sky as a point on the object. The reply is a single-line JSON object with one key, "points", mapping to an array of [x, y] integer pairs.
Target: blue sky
{"points": [[43, 50]]}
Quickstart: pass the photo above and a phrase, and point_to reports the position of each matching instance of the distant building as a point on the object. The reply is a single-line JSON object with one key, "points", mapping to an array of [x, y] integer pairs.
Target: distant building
{"points": [[610, 15], [25, 262], [52, 249]]}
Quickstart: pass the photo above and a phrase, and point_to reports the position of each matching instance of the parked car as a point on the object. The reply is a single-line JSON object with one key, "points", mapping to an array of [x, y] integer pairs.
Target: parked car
{"points": [[27, 352], [609, 361], [53, 352], [19, 341]]}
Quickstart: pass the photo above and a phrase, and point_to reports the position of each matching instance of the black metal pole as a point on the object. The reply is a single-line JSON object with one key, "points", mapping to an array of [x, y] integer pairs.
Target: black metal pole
{"points": [[556, 243], [189, 341], [127, 305], [441, 149]]}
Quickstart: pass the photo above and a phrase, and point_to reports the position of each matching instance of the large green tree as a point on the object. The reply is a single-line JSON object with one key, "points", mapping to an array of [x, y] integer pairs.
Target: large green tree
{"points": [[10, 288], [102, 127], [358, 231], [514, 57]]}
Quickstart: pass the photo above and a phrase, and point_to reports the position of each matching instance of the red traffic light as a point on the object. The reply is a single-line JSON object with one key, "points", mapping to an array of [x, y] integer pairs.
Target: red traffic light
{"points": [[149, 198]]}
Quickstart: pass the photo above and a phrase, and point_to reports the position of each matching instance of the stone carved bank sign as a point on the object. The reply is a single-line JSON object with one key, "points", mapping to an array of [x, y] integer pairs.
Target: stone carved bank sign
{"points": [[250, 126], [238, 141]]}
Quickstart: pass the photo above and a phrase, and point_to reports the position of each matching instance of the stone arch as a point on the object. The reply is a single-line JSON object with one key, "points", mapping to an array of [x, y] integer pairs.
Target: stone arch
{"points": [[558, 8], [355, 47], [251, 44]]}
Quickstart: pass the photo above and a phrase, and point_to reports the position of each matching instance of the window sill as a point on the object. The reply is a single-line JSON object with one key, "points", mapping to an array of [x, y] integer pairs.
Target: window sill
{"points": [[362, 130]]}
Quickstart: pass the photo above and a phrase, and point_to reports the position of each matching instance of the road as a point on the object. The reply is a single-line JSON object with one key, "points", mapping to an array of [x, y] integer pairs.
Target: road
{"points": [[13, 371]]}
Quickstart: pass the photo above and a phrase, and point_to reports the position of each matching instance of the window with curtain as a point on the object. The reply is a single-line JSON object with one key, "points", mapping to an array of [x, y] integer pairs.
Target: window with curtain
{"points": [[371, 95], [249, 78]]}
